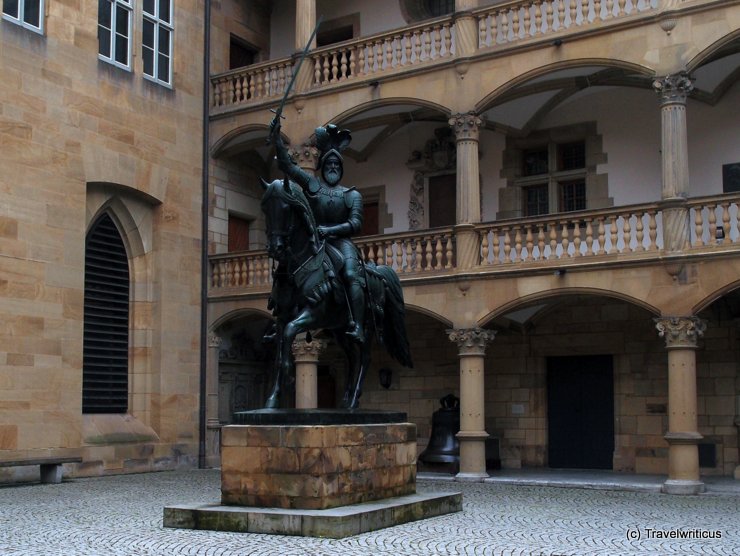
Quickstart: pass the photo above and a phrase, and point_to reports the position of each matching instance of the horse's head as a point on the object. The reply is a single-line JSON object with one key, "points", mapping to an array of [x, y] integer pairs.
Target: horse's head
{"points": [[288, 218]]}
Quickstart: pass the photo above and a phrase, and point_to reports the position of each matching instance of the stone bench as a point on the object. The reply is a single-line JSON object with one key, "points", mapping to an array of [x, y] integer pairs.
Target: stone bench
{"points": [[51, 468]]}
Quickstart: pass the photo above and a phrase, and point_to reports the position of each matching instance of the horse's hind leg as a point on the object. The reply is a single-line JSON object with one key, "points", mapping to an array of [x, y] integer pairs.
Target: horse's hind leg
{"points": [[273, 399], [350, 357]]}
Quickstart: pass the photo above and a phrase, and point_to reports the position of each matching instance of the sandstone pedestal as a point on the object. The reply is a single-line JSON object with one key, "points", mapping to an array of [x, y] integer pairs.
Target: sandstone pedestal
{"points": [[308, 476]]}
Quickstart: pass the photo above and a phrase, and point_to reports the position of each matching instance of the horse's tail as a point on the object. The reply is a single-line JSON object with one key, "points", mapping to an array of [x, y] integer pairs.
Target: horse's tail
{"points": [[394, 317]]}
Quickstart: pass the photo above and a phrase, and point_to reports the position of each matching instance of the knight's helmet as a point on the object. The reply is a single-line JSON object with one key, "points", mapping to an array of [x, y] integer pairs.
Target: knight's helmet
{"points": [[331, 140]]}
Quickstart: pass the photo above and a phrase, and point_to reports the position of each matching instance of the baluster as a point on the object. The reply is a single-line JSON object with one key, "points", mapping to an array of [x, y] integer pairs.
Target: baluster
{"points": [[242, 280], [230, 273], [438, 253], [352, 63], [343, 65], [418, 254], [602, 237], [447, 39], [597, 9], [541, 242], [436, 41], [388, 53], [250, 271], [407, 49], [573, 18], [613, 233], [496, 247], [494, 28], [370, 58], [334, 66], [507, 246], [652, 231], [231, 93], [589, 237], [448, 252], [237, 89], [484, 247], [281, 78], [397, 51], [538, 17], [261, 83], [726, 221], [712, 224], [217, 93], [698, 227], [564, 242], [622, 4], [553, 240], [530, 244], [639, 233], [581, 15], [214, 275], [326, 68], [609, 9], [399, 255], [379, 56], [273, 81], [417, 47], [371, 253], [410, 254], [428, 247], [361, 62], [527, 20], [482, 31], [549, 15], [505, 25], [381, 253], [515, 22], [317, 71], [426, 50], [561, 14], [577, 239], [518, 245]]}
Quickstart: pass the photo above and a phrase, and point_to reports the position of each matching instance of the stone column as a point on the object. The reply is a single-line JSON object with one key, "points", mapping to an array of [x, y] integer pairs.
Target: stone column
{"points": [[681, 335], [471, 343], [305, 21], [674, 90], [306, 372], [466, 28], [213, 426], [467, 128]]}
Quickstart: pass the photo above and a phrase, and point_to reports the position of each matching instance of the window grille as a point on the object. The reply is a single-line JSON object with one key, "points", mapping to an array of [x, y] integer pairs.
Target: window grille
{"points": [[106, 321]]}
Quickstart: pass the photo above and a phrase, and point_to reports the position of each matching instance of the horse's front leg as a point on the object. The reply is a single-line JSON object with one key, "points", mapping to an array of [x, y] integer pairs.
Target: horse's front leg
{"points": [[273, 399], [302, 323]]}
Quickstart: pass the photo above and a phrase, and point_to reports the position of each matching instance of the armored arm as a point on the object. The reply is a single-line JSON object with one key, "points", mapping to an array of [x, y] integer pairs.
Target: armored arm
{"points": [[353, 225], [285, 163]]}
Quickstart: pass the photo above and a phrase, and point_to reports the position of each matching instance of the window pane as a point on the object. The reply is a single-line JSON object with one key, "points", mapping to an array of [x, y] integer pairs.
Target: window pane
{"points": [[121, 50], [104, 41], [104, 13], [164, 41], [122, 21], [149, 7], [10, 7], [148, 55], [31, 12], [534, 162], [147, 35], [573, 195], [164, 10], [163, 69], [536, 200], [572, 156]]}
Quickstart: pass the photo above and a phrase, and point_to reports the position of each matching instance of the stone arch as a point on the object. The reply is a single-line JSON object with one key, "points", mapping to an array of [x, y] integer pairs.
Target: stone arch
{"points": [[490, 99], [714, 296], [544, 295], [429, 313], [236, 314], [259, 131], [712, 50], [388, 102]]}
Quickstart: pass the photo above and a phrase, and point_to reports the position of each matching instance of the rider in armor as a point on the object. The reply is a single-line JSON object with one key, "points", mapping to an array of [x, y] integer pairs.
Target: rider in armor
{"points": [[337, 210]]}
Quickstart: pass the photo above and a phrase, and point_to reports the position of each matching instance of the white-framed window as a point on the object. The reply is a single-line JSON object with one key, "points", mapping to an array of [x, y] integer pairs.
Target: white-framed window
{"points": [[156, 41], [114, 32], [26, 13]]}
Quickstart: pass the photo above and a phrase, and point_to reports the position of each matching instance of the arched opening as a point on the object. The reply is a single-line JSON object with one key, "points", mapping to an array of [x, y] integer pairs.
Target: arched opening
{"points": [[105, 367]]}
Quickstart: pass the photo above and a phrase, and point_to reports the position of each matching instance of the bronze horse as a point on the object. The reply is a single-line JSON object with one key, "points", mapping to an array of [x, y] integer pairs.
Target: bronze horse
{"points": [[308, 295]]}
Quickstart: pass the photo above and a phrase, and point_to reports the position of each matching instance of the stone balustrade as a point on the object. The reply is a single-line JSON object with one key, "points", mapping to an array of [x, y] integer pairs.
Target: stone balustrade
{"points": [[618, 234], [427, 44], [522, 19]]}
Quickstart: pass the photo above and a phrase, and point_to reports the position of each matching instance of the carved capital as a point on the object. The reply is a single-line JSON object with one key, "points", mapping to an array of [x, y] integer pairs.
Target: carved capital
{"points": [[471, 341], [214, 341], [466, 127], [680, 332], [306, 156], [304, 351], [673, 88]]}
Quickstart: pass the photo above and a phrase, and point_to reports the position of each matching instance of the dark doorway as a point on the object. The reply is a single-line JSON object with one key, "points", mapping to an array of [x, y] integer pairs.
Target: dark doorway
{"points": [[442, 200], [580, 412]]}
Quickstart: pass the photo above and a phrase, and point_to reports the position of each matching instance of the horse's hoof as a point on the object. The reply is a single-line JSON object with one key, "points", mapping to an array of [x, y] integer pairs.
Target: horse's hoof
{"points": [[271, 403]]}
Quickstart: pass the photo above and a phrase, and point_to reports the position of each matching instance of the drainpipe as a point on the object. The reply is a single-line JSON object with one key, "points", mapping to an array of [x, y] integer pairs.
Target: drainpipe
{"points": [[204, 239]]}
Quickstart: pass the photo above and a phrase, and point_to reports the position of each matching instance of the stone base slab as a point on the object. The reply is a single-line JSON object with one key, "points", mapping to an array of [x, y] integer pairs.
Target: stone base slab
{"points": [[672, 486], [334, 523]]}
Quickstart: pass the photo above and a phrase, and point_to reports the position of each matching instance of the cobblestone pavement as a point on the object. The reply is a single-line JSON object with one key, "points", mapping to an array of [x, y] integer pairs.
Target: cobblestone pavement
{"points": [[122, 516]]}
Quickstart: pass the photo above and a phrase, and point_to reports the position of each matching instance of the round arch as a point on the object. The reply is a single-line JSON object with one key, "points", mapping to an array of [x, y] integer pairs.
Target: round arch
{"points": [[490, 99], [532, 299], [714, 296], [713, 49], [428, 313], [236, 314], [385, 103], [255, 133]]}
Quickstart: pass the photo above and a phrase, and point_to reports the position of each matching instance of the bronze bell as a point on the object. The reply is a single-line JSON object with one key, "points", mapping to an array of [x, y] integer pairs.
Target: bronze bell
{"points": [[444, 447]]}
